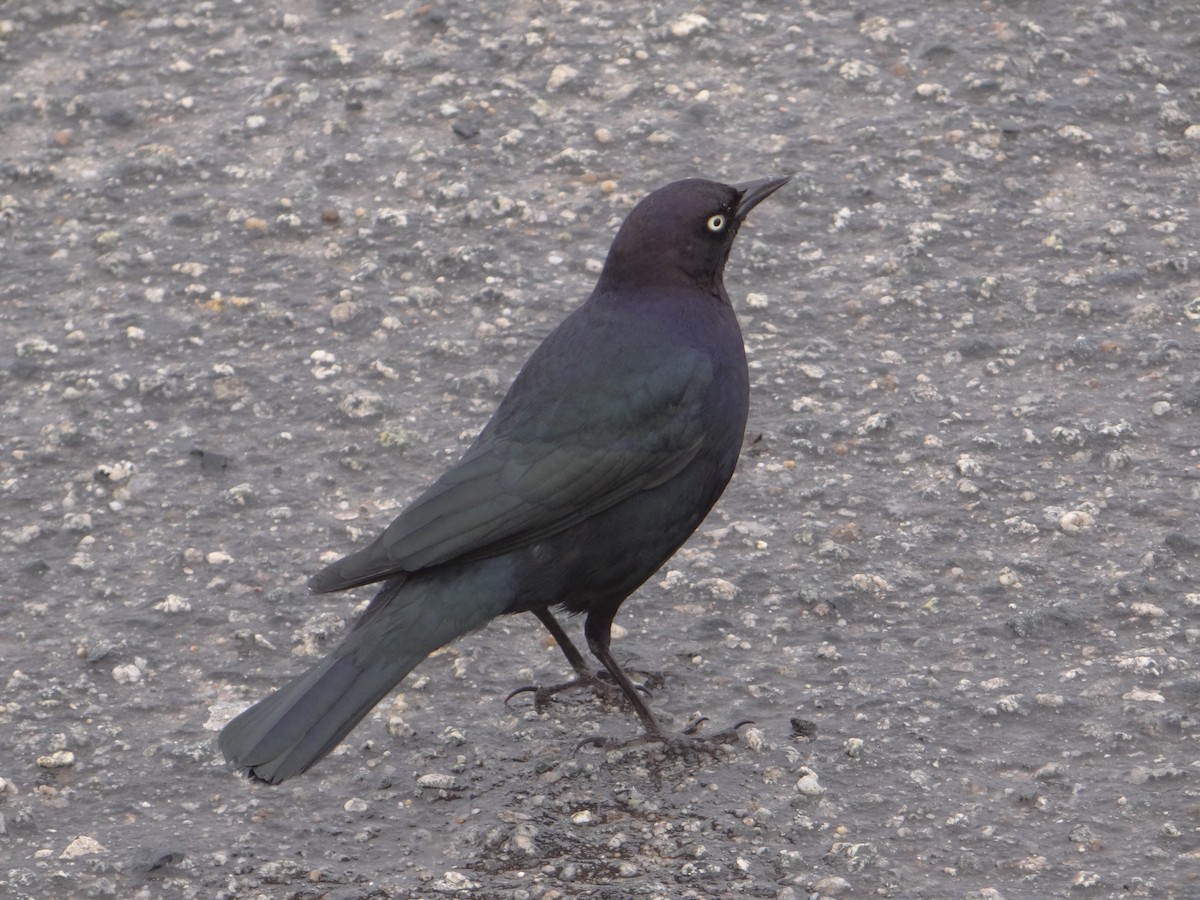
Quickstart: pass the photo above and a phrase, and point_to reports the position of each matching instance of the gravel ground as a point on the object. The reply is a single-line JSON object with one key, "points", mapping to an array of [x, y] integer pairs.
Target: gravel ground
{"points": [[265, 273]]}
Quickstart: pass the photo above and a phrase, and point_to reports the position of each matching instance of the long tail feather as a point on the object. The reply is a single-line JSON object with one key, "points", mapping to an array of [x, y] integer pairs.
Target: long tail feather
{"points": [[293, 728]]}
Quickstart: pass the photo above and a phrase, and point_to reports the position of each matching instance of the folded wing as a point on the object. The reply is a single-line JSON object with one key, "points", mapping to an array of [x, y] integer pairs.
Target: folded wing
{"points": [[525, 479]]}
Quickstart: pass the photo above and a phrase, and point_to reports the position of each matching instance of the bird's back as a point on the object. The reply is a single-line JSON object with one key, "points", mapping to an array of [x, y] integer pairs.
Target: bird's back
{"points": [[686, 340]]}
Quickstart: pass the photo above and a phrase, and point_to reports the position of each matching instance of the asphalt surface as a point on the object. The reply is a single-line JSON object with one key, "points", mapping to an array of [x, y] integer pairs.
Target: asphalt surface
{"points": [[263, 274]]}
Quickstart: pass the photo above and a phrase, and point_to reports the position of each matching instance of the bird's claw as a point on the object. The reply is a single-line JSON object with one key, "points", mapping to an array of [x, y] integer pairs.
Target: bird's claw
{"points": [[600, 683], [542, 695], [528, 689], [596, 740], [650, 679], [729, 735], [688, 740]]}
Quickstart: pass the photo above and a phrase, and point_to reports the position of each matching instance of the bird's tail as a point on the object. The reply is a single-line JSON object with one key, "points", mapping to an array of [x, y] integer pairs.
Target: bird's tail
{"points": [[287, 732]]}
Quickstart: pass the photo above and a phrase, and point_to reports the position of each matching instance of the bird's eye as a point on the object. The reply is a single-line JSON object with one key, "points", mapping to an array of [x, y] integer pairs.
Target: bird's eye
{"points": [[716, 224]]}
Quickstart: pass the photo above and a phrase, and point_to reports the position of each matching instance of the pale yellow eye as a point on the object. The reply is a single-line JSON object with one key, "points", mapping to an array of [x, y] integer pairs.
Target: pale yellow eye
{"points": [[716, 223]]}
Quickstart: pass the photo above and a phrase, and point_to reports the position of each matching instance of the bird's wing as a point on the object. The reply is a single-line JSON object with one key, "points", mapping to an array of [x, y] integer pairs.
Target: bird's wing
{"points": [[568, 452]]}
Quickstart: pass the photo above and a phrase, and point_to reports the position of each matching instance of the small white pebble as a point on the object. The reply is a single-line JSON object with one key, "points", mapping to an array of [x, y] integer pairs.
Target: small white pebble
{"points": [[1008, 578], [84, 845], [1139, 696], [754, 739], [127, 674], [688, 24], [398, 728], [173, 603], [1075, 521], [718, 588], [59, 759], [115, 472], [831, 886], [969, 466], [559, 76], [828, 651], [808, 783]]}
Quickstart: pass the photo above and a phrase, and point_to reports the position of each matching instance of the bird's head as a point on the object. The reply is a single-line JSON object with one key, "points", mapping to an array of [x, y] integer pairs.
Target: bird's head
{"points": [[681, 234]]}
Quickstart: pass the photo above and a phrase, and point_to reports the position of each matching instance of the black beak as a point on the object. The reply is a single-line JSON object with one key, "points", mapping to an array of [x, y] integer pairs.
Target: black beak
{"points": [[755, 192]]}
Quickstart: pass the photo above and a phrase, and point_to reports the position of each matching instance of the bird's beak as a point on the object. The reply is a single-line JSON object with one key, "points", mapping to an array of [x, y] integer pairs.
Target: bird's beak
{"points": [[755, 192]]}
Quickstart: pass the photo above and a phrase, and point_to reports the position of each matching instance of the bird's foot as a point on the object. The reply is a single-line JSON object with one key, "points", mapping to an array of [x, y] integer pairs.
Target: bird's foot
{"points": [[690, 740], [600, 683], [542, 694]]}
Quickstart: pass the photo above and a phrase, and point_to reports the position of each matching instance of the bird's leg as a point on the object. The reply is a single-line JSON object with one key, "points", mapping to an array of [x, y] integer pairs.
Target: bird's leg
{"points": [[584, 676], [650, 680], [568, 648], [597, 630]]}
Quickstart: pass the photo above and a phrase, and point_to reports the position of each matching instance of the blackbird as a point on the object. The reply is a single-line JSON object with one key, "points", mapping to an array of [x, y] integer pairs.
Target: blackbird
{"points": [[613, 443]]}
